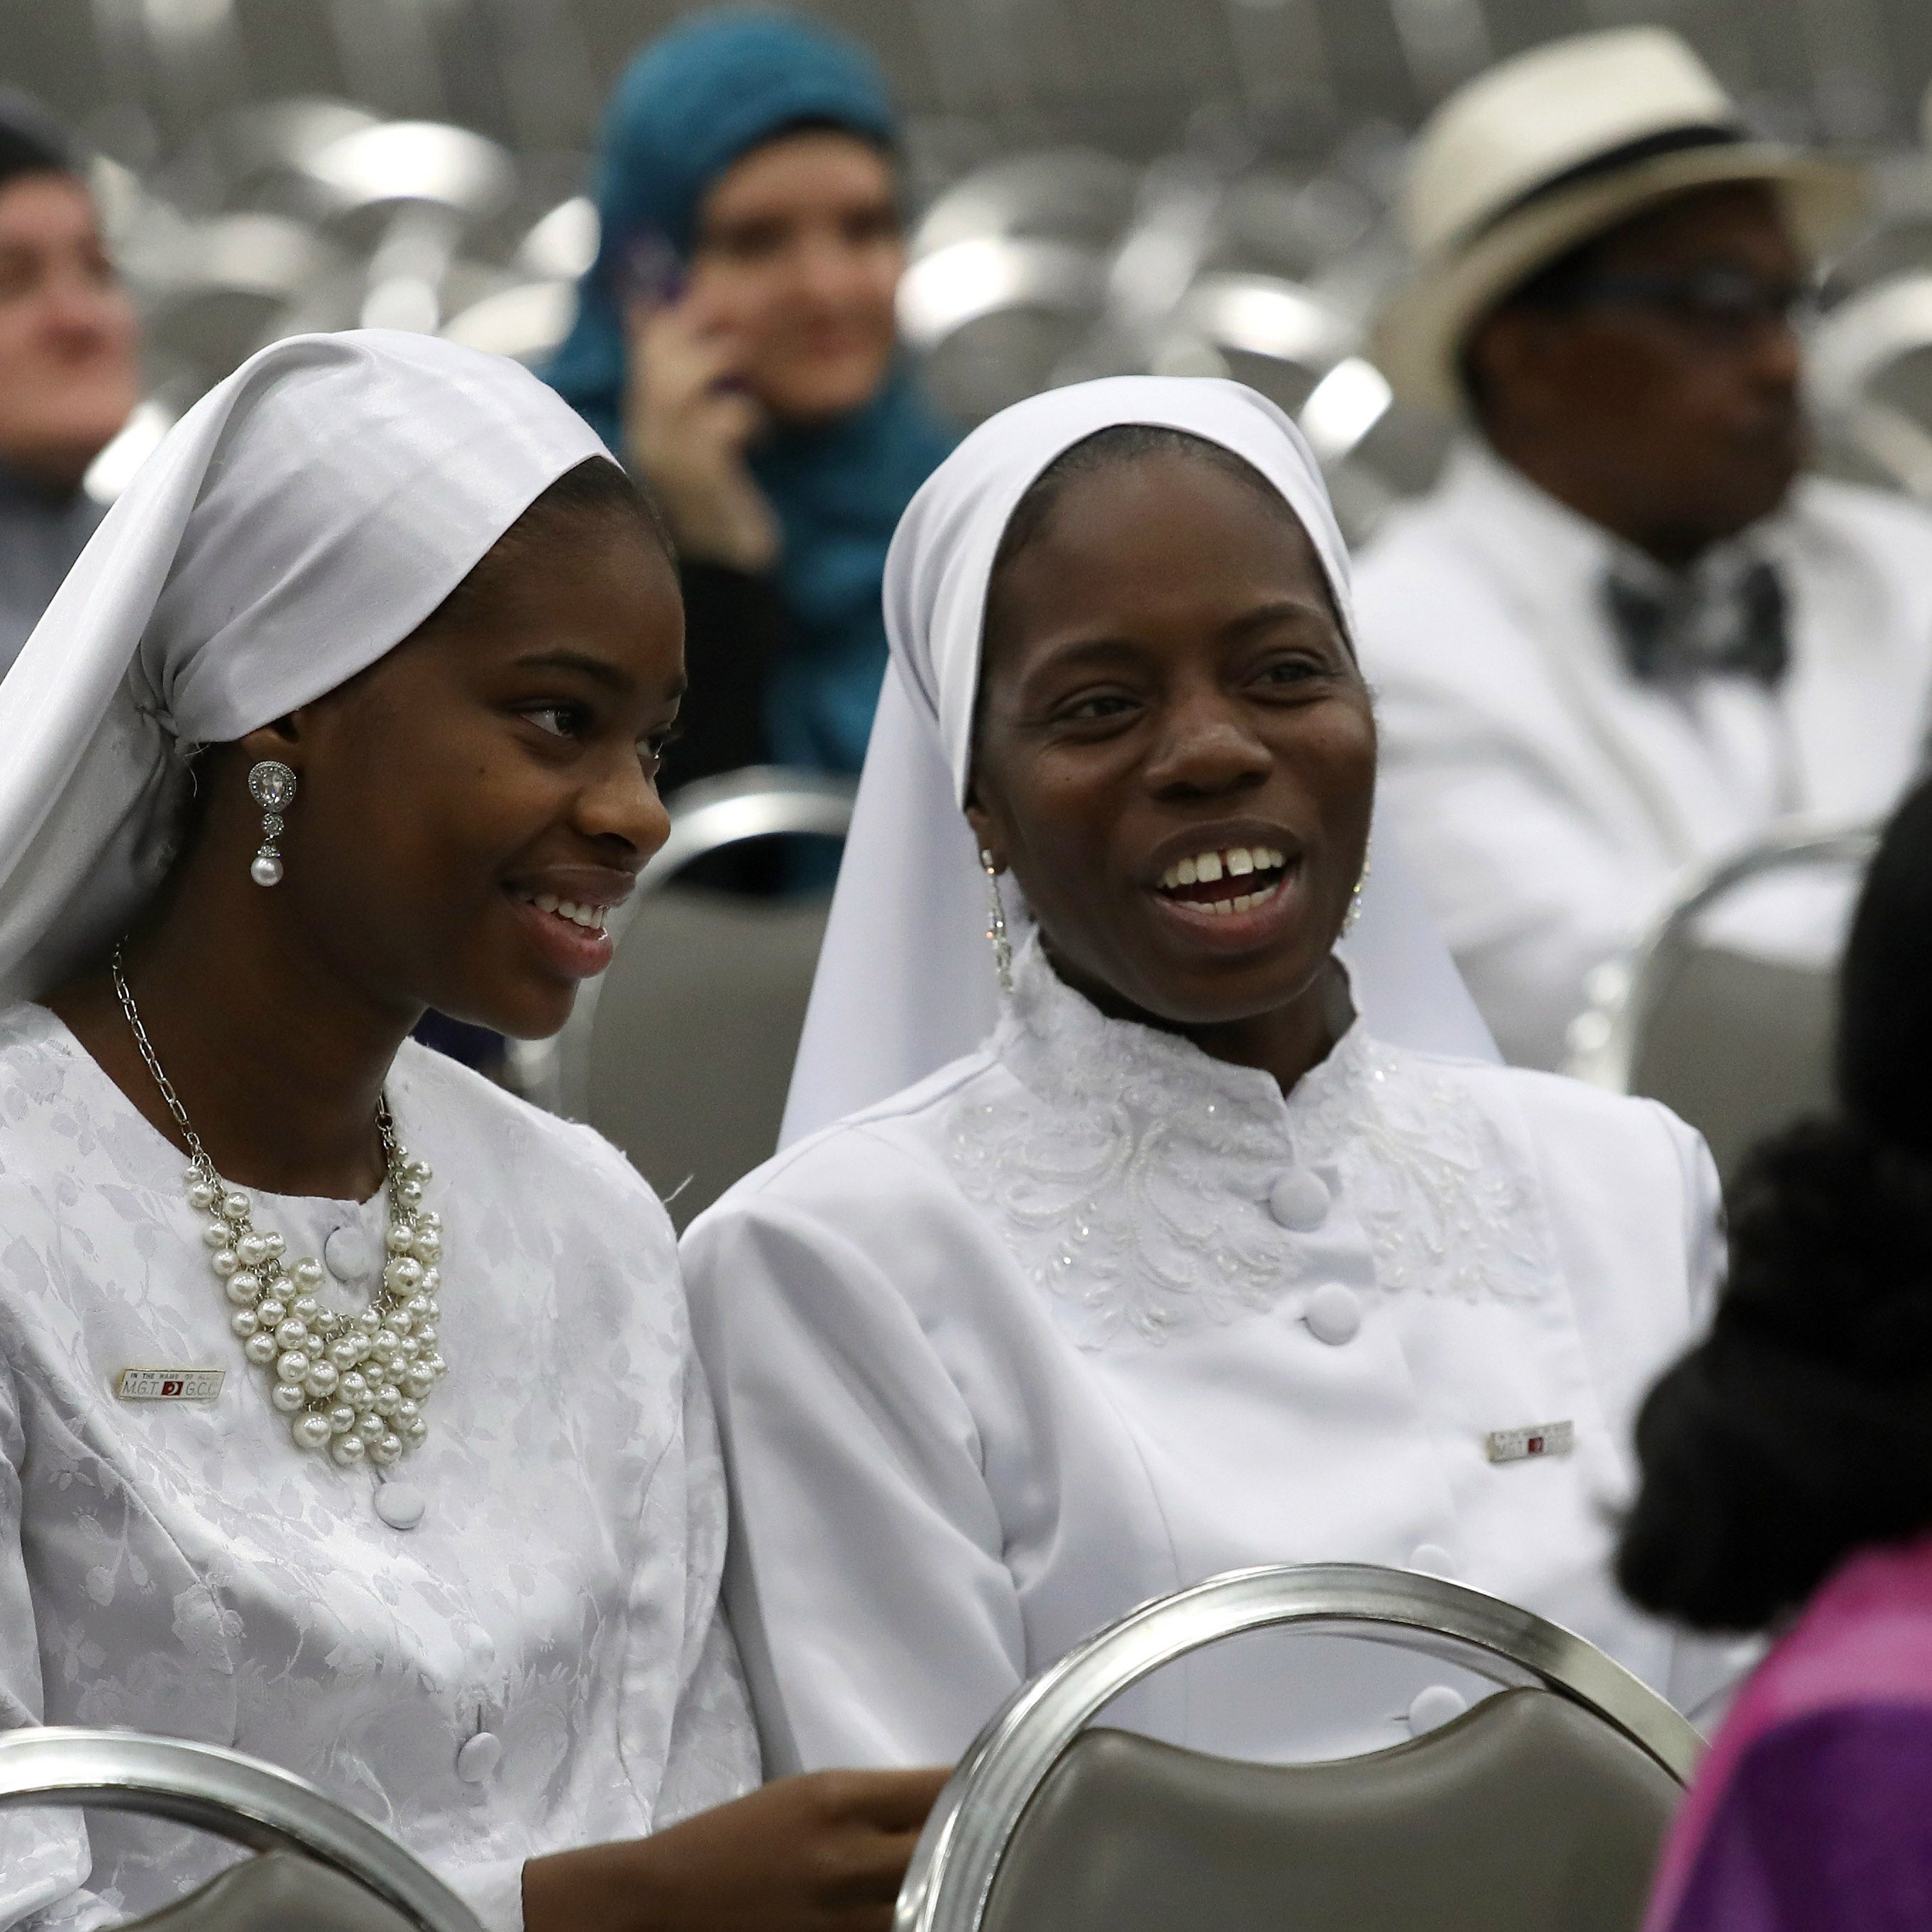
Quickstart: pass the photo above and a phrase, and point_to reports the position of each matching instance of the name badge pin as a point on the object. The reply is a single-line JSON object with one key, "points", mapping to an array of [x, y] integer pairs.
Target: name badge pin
{"points": [[170, 1384], [1536, 1438]]}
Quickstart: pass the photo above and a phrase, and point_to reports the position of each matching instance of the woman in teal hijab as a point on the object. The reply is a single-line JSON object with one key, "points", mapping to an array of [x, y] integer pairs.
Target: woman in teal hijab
{"points": [[735, 345]]}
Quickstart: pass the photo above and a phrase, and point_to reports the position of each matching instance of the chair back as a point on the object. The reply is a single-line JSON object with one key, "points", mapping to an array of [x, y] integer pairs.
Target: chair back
{"points": [[1868, 376], [1737, 1043], [324, 1868], [1539, 1810], [681, 1053], [278, 1892]]}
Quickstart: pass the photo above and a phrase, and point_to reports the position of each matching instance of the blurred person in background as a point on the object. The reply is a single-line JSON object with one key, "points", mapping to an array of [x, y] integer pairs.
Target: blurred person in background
{"points": [[1787, 1477], [1626, 633], [68, 372], [736, 344]]}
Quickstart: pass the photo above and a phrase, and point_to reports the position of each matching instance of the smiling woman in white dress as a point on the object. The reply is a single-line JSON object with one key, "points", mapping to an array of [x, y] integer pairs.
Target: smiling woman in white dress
{"points": [[1189, 1265], [348, 1411]]}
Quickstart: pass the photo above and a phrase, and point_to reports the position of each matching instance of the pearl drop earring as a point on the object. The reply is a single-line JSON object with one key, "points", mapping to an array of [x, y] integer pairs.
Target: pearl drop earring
{"points": [[271, 785], [996, 926]]}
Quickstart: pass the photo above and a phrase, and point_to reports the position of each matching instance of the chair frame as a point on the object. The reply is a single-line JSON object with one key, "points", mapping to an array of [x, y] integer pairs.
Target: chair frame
{"points": [[758, 802], [950, 1881], [1606, 1038], [1855, 344], [239, 1798]]}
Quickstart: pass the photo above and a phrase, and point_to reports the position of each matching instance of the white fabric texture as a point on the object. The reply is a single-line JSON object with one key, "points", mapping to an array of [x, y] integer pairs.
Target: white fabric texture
{"points": [[179, 1568], [1027, 1345], [299, 521], [903, 983], [1549, 801]]}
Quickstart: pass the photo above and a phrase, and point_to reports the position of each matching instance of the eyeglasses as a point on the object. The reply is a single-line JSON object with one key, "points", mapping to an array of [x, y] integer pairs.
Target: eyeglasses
{"points": [[1718, 302]]}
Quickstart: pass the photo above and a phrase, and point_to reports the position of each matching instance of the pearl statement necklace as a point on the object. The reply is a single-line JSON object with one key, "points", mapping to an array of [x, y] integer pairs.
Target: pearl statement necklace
{"points": [[354, 1385]]}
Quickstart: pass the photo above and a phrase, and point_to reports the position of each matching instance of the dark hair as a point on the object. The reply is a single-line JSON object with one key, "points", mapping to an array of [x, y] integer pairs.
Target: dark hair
{"points": [[1104, 449], [31, 141], [1801, 1428], [597, 491]]}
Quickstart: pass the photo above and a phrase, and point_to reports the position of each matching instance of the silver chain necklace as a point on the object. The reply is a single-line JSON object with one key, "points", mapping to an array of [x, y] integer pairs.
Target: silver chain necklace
{"points": [[353, 1385]]}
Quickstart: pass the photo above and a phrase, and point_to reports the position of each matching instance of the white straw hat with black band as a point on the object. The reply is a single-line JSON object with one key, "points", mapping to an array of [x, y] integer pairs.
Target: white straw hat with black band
{"points": [[1561, 143]]}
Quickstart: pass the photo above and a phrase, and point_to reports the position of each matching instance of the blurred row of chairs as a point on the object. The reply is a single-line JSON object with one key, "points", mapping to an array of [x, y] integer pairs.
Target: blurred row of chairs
{"points": [[681, 1052], [1540, 1809], [1035, 269], [315, 214]]}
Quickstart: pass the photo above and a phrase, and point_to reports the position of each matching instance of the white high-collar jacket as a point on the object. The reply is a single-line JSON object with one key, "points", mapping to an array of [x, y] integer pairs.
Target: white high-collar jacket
{"points": [[1089, 1316]]}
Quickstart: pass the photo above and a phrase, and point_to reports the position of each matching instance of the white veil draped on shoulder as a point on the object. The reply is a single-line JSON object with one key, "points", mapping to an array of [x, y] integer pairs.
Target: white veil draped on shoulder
{"points": [[905, 981], [294, 526]]}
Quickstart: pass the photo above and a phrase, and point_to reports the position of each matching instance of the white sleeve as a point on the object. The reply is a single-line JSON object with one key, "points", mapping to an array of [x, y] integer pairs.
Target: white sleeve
{"points": [[44, 1857], [879, 1623], [713, 1756], [494, 1891], [1529, 892]]}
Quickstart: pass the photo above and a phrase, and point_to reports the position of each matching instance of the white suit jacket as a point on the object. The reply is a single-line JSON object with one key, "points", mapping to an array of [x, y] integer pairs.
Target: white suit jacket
{"points": [[1550, 800], [1088, 1317]]}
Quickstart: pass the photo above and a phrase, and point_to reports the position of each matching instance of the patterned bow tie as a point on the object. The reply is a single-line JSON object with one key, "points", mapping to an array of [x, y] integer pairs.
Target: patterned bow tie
{"points": [[1697, 627]]}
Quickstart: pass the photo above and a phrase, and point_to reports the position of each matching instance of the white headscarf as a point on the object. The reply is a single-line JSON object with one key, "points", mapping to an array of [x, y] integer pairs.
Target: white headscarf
{"points": [[297, 524], [904, 981]]}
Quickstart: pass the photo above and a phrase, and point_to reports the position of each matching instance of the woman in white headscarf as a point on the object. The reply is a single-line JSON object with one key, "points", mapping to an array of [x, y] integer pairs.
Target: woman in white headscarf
{"points": [[348, 1412], [1214, 1253]]}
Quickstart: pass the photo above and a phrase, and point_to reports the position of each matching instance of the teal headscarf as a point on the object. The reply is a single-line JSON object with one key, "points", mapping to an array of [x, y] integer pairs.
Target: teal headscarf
{"points": [[692, 104]]}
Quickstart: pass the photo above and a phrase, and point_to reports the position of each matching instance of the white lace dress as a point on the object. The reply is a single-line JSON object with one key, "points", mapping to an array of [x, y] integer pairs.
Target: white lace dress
{"points": [[1089, 1316], [180, 1567]]}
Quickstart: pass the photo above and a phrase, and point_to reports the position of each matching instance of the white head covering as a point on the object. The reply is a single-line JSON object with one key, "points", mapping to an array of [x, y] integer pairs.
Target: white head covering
{"points": [[905, 982], [297, 524]]}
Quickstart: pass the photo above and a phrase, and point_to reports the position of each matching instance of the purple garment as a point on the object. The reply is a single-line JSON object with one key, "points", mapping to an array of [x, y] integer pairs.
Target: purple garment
{"points": [[1813, 1811], [1827, 1825]]}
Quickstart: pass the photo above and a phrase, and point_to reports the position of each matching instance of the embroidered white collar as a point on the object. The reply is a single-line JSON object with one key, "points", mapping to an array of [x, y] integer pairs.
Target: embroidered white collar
{"points": [[1130, 1172]]}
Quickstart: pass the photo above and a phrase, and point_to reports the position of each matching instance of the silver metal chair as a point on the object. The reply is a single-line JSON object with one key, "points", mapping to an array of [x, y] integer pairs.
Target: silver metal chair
{"points": [[1552, 1795], [1870, 370], [681, 1052], [323, 1868], [526, 323], [1737, 1044], [224, 287]]}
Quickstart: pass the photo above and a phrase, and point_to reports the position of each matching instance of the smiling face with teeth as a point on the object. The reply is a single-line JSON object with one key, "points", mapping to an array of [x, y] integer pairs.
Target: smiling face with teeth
{"points": [[1175, 751], [471, 809]]}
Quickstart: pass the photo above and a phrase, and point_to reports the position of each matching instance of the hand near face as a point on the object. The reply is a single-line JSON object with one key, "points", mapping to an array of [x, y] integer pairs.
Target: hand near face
{"points": [[821, 1853], [685, 430]]}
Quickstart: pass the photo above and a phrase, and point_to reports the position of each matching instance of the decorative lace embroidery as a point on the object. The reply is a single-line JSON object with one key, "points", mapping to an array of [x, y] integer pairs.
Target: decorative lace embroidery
{"points": [[1131, 1172]]}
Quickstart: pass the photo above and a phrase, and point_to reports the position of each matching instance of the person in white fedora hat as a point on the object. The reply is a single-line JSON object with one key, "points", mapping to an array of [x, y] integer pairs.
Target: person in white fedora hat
{"points": [[1625, 632]]}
